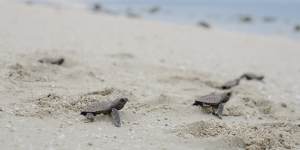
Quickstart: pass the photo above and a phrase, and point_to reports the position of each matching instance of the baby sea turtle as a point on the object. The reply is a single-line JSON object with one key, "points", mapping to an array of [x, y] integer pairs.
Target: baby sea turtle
{"points": [[106, 107], [204, 24], [53, 61], [215, 101], [230, 84], [252, 76]]}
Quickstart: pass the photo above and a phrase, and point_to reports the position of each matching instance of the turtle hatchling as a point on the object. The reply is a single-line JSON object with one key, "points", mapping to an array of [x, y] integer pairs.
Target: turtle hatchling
{"points": [[216, 101], [230, 84], [252, 76], [53, 61], [107, 108]]}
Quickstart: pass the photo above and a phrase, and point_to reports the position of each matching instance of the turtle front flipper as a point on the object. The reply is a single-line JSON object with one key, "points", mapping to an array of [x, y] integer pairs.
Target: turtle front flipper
{"points": [[219, 111], [90, 116], [115, 117]]}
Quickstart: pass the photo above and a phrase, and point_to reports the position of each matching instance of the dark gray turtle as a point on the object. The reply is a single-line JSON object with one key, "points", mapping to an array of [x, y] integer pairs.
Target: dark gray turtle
{"points": [[216, 101], [53, 61], [204, 24], [246, 19], [230, 84], [106, 107], [154, 9], [97, 7], [297, 28], [252, 76]]}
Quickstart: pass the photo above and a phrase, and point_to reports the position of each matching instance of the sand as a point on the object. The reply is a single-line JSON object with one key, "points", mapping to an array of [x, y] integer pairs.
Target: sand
{"points": [[160, 67]]}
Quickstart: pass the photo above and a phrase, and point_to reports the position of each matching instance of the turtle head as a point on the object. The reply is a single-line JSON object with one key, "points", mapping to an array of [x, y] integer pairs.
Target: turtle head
{"points": [[226, 97], [121, 103], [260, 78], [123, 100]]}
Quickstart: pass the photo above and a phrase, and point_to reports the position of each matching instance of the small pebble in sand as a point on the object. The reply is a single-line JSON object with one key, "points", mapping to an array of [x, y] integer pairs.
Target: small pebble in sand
{"points": [[90, 144], [1, 109], [204, 24], [284, 105], [135, 123]]}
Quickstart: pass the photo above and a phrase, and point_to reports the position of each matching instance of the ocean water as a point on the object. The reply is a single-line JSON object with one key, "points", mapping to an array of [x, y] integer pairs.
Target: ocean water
{"points": [[283, 15]]}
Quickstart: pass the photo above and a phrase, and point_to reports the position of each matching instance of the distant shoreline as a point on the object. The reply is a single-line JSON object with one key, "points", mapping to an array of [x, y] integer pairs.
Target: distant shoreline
{"points": [[267, 18]]}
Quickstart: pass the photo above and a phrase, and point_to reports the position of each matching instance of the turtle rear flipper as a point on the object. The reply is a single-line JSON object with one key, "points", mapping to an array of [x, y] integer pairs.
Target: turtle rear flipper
{"points": [[115, 117], [219, 111]]}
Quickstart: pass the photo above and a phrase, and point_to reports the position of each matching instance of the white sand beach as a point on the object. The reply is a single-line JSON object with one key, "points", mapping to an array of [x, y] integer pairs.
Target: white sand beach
{"points": [[160, 67]]}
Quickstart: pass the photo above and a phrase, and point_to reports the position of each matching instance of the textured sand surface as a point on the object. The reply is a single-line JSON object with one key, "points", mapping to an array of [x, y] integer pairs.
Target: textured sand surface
{"points": [[160, 67]]}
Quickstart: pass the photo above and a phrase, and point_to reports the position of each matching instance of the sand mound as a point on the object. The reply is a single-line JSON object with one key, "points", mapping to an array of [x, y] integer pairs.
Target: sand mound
{"points": [[53, 105], [268, 136], [260, 136], [251, 103], [204, 129], [250, 106], [20, 72]]}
